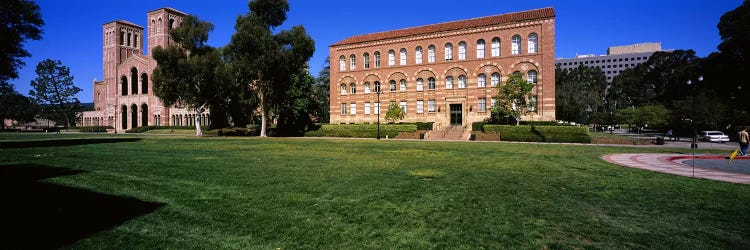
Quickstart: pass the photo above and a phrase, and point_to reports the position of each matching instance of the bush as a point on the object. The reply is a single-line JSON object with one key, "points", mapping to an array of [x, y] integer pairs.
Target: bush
{"points": [[544, 123], [147, 128], [478, 126], [94, 129], [249, 131], [571, 134], [424, 125], [362, 130], [513, 133]]}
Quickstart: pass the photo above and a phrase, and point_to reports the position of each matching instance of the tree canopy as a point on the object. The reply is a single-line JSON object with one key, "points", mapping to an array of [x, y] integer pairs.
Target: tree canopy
{"points": [[53, 87], [20, 20], [513, 99], [579, 92], [15, 106]]}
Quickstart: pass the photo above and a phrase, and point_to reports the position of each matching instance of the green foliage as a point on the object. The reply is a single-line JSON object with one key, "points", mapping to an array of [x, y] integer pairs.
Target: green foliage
{"points": [[142, 129], [513, 133], [361, 130], [94, 129], [424, 125], [569, 134], [578, 92], [478, 126], [321, 93], [513, 99], [294, 117], [15, 106], [647, 115], [251, 131], [20, 21], [544, 123], [54, 88], [394, 113]]}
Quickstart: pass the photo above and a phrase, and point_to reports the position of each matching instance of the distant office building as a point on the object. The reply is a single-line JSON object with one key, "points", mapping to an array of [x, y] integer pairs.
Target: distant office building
{"points": [[617, 59]]}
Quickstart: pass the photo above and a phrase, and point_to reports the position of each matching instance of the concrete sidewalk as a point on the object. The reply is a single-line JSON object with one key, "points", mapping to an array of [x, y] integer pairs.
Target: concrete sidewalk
{"points": [[671, 164]]}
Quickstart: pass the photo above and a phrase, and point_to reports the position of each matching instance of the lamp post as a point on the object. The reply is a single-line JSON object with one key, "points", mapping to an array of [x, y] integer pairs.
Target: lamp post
{"points": [[694, 143], [379, 93]]}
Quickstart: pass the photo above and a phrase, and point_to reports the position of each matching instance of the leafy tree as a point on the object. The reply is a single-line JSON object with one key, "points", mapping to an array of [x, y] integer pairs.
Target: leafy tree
{"points": [[394, 113], [321, 93], [187, 73], [15, 106], [513, 99], [647, 115], [735, 38], [53, 87], [578, 92], [265, 62], [301, 104], [19, 21]]}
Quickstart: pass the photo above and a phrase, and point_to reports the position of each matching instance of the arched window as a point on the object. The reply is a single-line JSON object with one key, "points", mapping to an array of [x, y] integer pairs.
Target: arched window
{"points": [[431, 54], [377, 87], [462, 82], [533, 42], [418, 55], [129, 38], [367, 87], [494, 79], [420, 84], [144, 115], [462, 51], [158, 26], [532, 76], [431, 83], [449, 82], [352, 88], [144, 83], [134, 116], [495, 46], [171, 25], [392, 85], [124, 116], [342, 63], [134, 80], [377, 59], [515, 45], [391, 58], [366, 58], [135, 41], [343, 89], [481, 80], [402, 56], [480, 48], [124, 85], [448, 51], [352, 62], [153, 27], [402, 85], [122, 38]]}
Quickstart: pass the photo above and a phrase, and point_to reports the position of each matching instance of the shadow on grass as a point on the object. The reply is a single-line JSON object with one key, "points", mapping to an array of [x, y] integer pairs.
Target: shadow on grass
{"points": [[63, 142], [40, 215]]}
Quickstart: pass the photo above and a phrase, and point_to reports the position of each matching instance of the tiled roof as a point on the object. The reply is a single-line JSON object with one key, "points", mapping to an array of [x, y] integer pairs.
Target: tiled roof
{"points": [[455, 25]]}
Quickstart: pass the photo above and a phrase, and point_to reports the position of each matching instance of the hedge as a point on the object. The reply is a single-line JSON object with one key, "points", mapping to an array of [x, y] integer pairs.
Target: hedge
{"points": [[478, 126], [424, 125], [92, 129], [361, 130], [147, 128], [513, 133], [544, 123], [572, 134]]}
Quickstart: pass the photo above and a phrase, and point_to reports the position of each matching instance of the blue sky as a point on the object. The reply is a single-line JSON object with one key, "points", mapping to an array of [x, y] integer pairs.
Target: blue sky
{"points": [[72, 30]]}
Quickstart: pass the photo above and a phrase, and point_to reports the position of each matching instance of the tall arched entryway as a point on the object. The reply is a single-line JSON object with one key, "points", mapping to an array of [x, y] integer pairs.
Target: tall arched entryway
{"points": [[134, 116], [124, 85], [144, 115], [124, 112], [144, 83], [134, 80]]}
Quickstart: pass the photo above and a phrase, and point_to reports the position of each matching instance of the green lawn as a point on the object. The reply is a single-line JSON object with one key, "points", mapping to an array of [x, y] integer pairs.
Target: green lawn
{"points": [[209, 193]]}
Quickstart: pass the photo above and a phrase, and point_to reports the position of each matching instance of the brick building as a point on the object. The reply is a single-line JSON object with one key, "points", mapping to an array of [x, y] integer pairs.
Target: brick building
{"points": [[125, 98], [445, 72]]}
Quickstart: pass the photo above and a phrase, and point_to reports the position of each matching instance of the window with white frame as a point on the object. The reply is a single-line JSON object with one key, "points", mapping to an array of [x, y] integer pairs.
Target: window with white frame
{"points": [[420, 84], [342, 63], [481, 80], [482, 104], [431, 83], [431, 106], [533, 43], [352, 88], [366, 58], [449, 82], [480, 48], [495, 46], [402, 104], [494, 79], [377, 59], [448, 51], [367, 87], [462, 82], [343, 108], [367, 108], [418, 55], [402, 85], [532, 76], [392, 85], [515, 46], [353, 62], [377, 87], [353, 108], [431, 54], [420, 106], [402, 56], [343, 89], [376, 108], [391, 58], [462, 51]]}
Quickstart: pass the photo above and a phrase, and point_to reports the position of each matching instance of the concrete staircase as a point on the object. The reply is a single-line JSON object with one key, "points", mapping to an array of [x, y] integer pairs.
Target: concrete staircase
{"points": [[449, 133]]}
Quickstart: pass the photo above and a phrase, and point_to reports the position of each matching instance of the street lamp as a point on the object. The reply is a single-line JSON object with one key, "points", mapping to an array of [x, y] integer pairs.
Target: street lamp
{"points": [[379, 108], [694, 143]]}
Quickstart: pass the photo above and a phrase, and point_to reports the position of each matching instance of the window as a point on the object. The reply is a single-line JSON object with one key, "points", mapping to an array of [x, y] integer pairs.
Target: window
{"points": [[462, 51], [377, 108], [366, 58], [431, 54], [533, 43], [482, 104], [377, 87], [402, 56], [343, 89], [343, 108], [420, 84], [352, 88], [128, 39], [353, 109], [418, 55], [462, 82], [515, 45], [431, 106], [402, 85], [392, 85], [342, 63], [494, 79], [431, 83], [449, 82], [480, 48], [158, 27], [367, 87], [367, 108], [377, 59], [481, 80], [532, 76], [420, 106], [495, 46], [391, 58], [403, 106], [448, 51]]}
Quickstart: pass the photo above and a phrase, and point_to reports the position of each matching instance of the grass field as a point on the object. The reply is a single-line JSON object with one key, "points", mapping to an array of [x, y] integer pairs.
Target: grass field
{"points": [[208, 193]]}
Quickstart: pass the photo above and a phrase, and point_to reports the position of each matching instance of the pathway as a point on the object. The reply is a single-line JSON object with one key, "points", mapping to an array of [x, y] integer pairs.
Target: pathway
{"points": [[671, 164]]}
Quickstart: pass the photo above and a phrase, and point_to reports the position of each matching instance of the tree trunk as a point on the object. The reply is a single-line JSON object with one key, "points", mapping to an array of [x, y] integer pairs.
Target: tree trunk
{"points": [[263, 118], [198, 131]]}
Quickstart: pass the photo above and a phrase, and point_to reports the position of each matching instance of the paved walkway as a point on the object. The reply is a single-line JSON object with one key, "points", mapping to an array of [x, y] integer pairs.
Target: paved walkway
{"points": [[672, 164]]}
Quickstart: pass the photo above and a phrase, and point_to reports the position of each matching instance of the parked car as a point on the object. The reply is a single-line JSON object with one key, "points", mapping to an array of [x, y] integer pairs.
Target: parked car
{"points": [[714, 136]]}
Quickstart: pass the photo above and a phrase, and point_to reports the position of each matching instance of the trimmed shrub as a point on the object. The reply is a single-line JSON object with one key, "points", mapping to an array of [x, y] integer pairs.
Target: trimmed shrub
{"points": [[544, 123], [362, 130], [572, 134], [424, 125], [513, 133], [94, 129], [147, 128], [478, 126]]}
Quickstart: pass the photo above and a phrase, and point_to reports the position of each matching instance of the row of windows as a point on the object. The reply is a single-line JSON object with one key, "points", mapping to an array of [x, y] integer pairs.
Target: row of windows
{"points": [[134, 39], [134, 83], [604, 61], [351, 108], [516, 48], [420, 84]]}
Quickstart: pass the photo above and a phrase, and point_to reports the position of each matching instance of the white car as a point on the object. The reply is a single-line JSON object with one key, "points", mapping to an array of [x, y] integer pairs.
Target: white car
{"points": [[714, 136]]}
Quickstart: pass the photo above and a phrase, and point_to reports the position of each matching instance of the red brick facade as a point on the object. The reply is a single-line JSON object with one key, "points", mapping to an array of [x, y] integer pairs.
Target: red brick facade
{"points": [[467, 102]]}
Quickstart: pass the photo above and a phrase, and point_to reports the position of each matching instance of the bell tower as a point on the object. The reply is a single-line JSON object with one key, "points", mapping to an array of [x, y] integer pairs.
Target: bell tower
{"points": [[160, 23]]}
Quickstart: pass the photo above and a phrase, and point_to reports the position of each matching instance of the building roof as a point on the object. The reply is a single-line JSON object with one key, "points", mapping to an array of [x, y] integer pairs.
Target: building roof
{"points": [[455, 25], [169, 9], [125, 22]]}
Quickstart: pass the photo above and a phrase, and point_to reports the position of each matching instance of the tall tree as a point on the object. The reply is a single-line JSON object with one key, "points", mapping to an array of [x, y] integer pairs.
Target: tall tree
{"points": [[19, 21], [15, 106], [734, 29], [513, 99], [265, 62], [578, 93], [321, 92], [53, 87], [187, 73]]}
